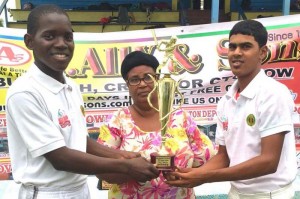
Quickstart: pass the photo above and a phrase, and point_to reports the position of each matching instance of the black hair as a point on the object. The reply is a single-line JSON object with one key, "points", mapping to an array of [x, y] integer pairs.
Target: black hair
{"points": [[252, 28], [137, 58], [37, 12]]}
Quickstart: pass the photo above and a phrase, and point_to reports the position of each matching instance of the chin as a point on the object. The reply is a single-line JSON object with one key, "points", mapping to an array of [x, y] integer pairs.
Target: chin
{"points": [[236, 72], [62, 67]]}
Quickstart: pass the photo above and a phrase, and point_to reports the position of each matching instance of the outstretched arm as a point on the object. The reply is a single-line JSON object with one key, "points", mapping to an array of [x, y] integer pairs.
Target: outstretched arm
{"points": [[65, 159], [98, 149], [192, 177], [216, 169], [101, 150]]}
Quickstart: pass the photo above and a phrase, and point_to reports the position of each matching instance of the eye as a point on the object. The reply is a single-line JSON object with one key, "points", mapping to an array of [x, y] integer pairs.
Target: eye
{"points": [[48, 36], [231, 46], [245, 46], [133, 80], [148, 79], [69, 37]]}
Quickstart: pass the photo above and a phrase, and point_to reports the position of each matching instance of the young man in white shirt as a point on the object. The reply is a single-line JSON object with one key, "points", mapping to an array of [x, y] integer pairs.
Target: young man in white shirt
{"points": [[254, 131]]}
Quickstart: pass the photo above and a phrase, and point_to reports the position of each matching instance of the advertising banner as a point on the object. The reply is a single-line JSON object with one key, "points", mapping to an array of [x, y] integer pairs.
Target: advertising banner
{"points": [[201, 54]]}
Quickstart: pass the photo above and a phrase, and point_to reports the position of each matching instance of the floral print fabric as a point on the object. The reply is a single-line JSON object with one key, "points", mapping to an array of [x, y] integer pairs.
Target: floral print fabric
{"points": [[191, 147]]}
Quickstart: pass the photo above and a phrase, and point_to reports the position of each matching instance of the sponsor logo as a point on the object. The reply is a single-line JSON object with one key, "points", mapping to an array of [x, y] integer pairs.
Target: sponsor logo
{"points": [[13, 55]]}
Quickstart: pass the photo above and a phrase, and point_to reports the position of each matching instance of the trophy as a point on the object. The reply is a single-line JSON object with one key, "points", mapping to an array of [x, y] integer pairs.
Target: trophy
{"points": [[166, 89]]}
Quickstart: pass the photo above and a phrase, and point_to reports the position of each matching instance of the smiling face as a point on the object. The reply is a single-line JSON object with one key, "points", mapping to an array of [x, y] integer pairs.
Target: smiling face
{"points": [[52, 44], [245, 56], [139, 93]]}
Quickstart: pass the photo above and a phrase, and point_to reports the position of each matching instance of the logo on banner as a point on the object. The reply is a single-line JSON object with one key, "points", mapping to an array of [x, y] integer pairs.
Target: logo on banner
{"points": [[13, 55]]}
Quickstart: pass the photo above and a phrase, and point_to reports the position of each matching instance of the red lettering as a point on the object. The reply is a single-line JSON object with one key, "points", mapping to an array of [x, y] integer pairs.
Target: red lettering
{"points": [[90, 119], [7, 52], [5, 168], [95, 63], [191, 64], [282, 51], [2, 122], [222, 51]]}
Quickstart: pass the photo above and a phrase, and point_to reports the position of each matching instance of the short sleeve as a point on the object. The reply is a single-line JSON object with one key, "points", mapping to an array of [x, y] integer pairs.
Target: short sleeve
{"points": [[110, 133], [275, 112], [220, 139], [34, 124]]}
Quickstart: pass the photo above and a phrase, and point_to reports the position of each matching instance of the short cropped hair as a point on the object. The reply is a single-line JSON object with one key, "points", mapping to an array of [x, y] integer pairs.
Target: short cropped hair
{"points": [[252, 28], [137, 58], [37, 12]]}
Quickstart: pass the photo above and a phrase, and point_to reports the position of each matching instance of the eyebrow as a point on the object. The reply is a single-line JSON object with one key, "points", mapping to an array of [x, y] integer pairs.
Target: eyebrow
{"points": [[240, 44], [137, 76]]}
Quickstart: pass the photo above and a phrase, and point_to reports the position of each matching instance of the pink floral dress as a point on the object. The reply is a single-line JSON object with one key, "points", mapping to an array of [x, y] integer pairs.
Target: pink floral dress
{"points": [[191, 147]]}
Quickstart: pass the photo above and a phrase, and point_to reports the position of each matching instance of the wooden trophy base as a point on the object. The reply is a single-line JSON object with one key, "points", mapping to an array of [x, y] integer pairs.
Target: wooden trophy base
{"points": [[163, 162], [103, 185]]}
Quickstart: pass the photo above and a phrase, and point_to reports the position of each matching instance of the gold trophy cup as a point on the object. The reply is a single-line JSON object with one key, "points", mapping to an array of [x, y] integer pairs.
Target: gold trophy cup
{"points": [[166, 89]]}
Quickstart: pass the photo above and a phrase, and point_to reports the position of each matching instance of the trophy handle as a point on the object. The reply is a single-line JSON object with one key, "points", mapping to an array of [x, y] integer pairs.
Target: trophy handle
{"points": [[150, 94]]}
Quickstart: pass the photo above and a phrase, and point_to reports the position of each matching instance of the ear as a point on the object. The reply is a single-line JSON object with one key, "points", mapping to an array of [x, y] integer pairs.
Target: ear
{"points": [[28, 41], [263, 52]]}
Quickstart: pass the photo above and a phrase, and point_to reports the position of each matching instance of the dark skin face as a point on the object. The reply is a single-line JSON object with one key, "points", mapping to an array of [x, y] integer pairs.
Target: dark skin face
{"points": [[139, 93], [245, 57], [52, 44], [143, 115]]}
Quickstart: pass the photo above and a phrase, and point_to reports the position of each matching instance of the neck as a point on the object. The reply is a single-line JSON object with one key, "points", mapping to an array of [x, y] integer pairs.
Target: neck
{"points": [[144, 111], [245, 80], [58, 75]]}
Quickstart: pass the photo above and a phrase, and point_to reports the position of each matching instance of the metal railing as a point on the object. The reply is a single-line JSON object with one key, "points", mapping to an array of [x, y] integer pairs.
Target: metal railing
{"points": [[241, 12], [3, 7]]}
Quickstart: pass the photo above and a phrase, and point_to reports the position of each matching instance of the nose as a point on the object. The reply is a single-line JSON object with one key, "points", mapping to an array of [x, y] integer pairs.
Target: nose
{"points": [[237, 50], [60, 42]]}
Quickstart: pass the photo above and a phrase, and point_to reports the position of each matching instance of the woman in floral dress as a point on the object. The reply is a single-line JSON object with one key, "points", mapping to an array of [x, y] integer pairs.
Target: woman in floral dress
{"points": [[137, 128]]}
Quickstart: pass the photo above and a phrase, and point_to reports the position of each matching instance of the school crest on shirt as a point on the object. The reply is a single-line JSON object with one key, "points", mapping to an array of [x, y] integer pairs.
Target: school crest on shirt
{"points": [[250, 120], [63, 119]]}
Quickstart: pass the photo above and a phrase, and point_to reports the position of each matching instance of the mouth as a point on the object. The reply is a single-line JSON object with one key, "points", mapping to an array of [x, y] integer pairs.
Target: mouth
{"points": [[236, 63], [144, 94], [60, 56]]}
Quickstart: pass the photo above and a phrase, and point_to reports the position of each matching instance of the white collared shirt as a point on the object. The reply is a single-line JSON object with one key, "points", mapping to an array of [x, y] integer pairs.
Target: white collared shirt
{"points": [[264, 108], [43, 115]]}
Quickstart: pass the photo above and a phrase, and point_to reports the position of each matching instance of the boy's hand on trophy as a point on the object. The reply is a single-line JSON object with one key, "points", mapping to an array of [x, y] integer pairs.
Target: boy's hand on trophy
{"points": [[187, 177], [141, 170], [128, 154], [169, 175]]}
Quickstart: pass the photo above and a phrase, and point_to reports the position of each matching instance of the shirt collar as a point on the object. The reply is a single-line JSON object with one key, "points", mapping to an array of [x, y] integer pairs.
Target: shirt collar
{"points": [[48, 82], [249, 91]]}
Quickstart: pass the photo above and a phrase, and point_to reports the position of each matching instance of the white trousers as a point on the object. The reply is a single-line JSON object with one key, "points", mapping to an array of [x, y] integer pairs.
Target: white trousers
{"points": [[286, 192], [32, 192]]}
